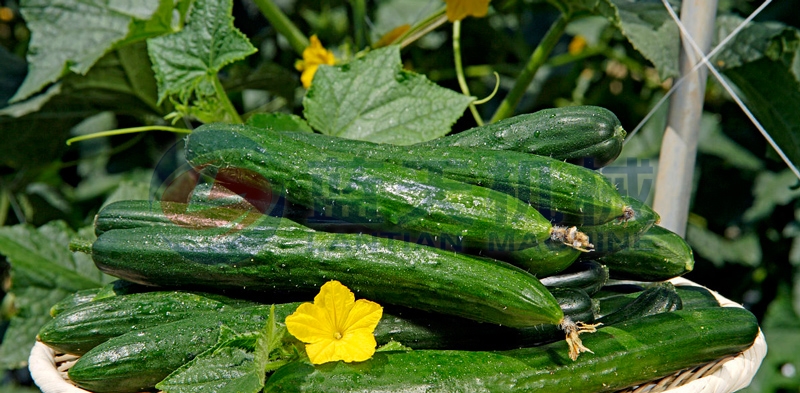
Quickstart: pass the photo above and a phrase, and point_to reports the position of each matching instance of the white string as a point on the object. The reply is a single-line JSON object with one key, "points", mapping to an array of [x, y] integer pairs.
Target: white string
{"points": [[697, 66], [728, 87]]}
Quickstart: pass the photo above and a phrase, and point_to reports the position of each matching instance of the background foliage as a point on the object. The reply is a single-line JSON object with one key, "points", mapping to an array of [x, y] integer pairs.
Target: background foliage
{"points": [[745, 217]]}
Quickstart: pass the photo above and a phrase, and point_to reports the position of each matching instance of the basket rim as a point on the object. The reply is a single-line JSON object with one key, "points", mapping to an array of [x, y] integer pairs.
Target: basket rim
{"points": [[731, 376]]}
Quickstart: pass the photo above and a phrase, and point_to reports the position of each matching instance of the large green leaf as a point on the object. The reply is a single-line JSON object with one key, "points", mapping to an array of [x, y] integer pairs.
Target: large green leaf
{"points": [[33, 305], [237, 363], [186, 61], [71, 35], [373, 99], [43, 271]]}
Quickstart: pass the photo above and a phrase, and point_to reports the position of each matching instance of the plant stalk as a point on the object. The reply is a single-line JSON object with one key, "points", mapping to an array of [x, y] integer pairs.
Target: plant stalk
{"points": [[226, 102], [537, 59], [462, 82], [283, 25], [359, 19]]}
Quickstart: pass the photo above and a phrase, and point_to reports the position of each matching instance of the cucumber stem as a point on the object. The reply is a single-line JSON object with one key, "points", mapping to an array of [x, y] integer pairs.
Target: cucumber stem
{"points": [[573, 331], [80, 245], [537, 59], [462, 82], [283, 25]]}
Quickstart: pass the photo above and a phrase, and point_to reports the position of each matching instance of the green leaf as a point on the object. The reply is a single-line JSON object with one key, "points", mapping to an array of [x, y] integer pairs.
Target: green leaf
{"points": [[772, 93], [770, 190], [33, 305], [393, 346], [645, 24], [712, 141], [373, 99], [41, 257], [279, 122], [71, 35], [235, 364], [185, 62], [652, 32], [744, 250]]}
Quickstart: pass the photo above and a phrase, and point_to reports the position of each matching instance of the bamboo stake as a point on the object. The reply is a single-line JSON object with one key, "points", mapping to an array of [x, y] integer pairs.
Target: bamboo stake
{"points": [[679, 146]]}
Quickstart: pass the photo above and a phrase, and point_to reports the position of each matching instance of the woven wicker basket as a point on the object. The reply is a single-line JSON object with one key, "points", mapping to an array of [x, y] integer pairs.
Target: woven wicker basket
{"points": [[721, 376]]}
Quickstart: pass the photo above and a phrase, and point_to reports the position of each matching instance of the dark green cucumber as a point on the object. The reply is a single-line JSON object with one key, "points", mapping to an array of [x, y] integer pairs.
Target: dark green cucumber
{"points": [[626, 354], [691, 297], [589, 276], [424, 330], [365, 191], [138, 360], [563, 192], [657, 299], [82, 328], [73, 300], [141, 358], [543, 259], [585, 135], [658, 255], [293, 260], [619, 234]]}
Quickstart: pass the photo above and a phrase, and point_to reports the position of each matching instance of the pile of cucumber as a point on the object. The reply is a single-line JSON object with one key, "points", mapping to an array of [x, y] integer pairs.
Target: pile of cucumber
{"points": [[484, 248]]}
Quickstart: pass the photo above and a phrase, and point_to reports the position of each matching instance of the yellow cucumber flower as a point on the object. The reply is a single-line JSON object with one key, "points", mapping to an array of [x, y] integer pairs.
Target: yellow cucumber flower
{"points": [[336, 326], [460, 9], [314, 55]]}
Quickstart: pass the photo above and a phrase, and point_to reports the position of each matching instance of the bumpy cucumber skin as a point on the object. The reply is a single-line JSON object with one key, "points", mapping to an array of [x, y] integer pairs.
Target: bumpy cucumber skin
{"points": [[691, 297], [292, 259], [563, 192], [385, 193], [73, 300], [586, 135], [82, 328], [624, 355], [544, 259], [658, 255], [588, 276], [140, 359], [137, 361], [617, 235]]}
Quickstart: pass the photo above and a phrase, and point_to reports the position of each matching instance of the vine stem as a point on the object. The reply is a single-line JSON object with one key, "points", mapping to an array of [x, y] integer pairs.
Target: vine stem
{"points": [[462, 82], [537, 59], [283, 25], [226, 102], [359, 18], [132, 130], [425, 26]]}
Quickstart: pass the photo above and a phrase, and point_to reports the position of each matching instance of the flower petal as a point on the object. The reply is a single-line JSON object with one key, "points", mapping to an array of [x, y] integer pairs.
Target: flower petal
{"points": [[337, 300], [310, 323], [460, 9], [365, 315], [356, 346]]}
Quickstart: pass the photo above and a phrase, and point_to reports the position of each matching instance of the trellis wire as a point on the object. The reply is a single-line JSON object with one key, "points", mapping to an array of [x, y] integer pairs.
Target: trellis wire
{"points": [[705, 61]]}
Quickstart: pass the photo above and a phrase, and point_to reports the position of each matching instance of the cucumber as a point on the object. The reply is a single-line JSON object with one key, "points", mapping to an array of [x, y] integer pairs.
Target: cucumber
{"points": [[73, 300], [563, 192], [691, 297], [589, 276], [543, 259], [617, 235], [137, 361], [424, 330], [585, 135], [82, 328], [658, 255], [292, 260], [657, 299], [365, 191], [626, 354]]}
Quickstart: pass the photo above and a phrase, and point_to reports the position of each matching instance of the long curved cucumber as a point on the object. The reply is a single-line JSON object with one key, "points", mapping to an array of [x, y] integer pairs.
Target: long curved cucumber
{"points": [[585, 135], [626, 354], [293, 260], [366, 191], [563, 192]]}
